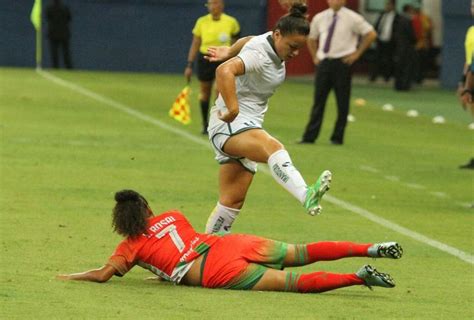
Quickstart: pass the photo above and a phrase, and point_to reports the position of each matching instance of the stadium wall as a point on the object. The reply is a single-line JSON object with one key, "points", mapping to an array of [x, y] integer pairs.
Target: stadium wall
{"points": [[120, 35]]}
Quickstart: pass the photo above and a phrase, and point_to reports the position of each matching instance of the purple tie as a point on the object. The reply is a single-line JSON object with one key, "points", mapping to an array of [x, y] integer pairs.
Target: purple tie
{"points": [[327, 44]]}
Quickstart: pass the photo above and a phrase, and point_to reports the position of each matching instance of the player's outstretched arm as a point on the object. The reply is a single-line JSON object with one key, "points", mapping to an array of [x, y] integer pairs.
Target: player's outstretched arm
{"points": [[224, 53], [102, 274]]}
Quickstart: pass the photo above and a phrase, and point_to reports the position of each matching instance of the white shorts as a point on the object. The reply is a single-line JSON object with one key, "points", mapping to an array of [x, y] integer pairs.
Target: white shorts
{"points": [[220, 131]]}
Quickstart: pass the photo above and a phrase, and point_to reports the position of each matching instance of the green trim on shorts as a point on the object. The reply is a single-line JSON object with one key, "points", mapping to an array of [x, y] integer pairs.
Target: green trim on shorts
{"points": [[248, 280], [281, 248]]}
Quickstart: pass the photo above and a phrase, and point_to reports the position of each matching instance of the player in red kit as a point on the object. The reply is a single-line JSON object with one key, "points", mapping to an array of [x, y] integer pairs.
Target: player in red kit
{"points": [[168, 246]]}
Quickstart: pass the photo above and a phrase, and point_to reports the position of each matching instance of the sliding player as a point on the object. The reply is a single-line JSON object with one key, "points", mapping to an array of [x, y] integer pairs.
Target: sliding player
{"points": [[168, 246]]}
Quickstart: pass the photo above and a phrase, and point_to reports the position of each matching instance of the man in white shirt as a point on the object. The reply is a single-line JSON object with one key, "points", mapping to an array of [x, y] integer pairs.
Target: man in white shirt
{"points": [[334, 45]]}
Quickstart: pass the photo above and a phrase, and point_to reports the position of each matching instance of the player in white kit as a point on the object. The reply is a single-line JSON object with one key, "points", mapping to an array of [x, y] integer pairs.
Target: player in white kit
{"points": [[254, 69]]}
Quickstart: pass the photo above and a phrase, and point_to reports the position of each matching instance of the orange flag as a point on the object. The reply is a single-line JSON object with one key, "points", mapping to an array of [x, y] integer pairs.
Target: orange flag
{"points": [[180, 110]]}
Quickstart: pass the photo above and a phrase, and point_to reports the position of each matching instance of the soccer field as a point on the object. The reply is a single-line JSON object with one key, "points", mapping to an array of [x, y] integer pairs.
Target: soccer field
{"points": [[69, 140]]}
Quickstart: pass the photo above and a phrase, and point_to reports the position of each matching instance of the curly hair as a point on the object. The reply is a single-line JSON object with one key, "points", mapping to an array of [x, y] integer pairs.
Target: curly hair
{"points": [[130, 214]]}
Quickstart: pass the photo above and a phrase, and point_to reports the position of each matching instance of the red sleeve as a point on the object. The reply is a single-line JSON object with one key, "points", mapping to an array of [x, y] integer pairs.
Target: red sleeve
{"points": [[123, 258]]}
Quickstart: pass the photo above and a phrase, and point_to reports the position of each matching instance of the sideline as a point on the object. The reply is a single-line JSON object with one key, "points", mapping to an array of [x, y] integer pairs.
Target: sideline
{"points": [[331, 199]]}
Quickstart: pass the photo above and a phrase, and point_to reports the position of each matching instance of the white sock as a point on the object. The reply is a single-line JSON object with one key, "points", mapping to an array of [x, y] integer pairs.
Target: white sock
{"points": [[221, 219], [287, 175]]}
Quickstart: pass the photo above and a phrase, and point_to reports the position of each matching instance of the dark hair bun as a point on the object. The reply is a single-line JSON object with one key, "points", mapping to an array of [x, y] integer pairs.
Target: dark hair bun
{"points": [[126, 195], [298, 10]]}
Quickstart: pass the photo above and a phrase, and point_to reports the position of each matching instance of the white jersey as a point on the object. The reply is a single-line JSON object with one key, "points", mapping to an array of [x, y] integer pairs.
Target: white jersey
{"points": [[264, 72]]}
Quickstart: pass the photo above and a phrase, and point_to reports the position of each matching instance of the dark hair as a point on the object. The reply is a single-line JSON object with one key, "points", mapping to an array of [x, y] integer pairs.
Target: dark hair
{"points": [[294, 22], [407, 8], [130, 214]]}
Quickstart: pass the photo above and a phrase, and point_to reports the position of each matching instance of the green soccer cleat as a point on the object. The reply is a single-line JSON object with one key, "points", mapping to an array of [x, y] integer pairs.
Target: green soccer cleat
{"points": [[390, 250], [316, 192], [373, 278]]}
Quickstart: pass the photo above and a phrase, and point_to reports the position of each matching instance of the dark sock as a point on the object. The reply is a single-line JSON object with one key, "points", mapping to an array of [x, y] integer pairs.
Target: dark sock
{"points": [[204, 113]]}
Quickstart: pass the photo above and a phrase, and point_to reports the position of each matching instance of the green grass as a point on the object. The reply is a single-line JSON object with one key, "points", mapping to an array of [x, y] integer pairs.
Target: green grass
{"points": [[63, 155]]}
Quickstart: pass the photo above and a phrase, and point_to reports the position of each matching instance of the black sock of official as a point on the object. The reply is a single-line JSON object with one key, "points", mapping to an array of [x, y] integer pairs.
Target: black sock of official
{"points": [[204, 112]]}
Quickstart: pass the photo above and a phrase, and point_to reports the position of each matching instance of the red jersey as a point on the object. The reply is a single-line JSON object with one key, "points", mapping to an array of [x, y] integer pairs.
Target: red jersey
{"points": [[167, 249]]}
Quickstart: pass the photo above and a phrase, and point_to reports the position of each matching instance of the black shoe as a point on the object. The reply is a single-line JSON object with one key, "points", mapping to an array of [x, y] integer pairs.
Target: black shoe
{"points": [[204, 131], [469, 165], [305, 142], [336, 142]]}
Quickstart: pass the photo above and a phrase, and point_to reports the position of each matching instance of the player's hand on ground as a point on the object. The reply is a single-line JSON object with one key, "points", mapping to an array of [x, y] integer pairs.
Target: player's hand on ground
{"points": [[217, 53], [227, 116], [62, 277]]}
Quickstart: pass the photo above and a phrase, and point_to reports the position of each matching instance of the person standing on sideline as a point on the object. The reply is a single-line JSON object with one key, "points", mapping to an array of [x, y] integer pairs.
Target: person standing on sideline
{"points": [[58, 17], [254, 70], [405, 55], [338, 30], [422, 27], [213, 29], [466, 92], [385, 45]]}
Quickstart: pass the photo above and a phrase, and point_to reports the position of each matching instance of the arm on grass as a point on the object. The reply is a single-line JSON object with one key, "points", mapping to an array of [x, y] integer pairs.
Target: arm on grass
{"points": [[102, 274]]}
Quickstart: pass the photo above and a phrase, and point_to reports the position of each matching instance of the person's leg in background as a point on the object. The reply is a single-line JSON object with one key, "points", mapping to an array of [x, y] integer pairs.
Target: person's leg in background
{"points": [[54, 46], [323, 85], [66, 54], [342, 87], [204, 98]]}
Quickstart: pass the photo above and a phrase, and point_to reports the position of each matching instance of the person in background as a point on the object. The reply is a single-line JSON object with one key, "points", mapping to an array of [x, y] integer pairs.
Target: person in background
{"points": [[334, 44], [404, 55], [385, 42], [422, 27], [58, 17], [213, 29], [466, 88], [168, 246]]}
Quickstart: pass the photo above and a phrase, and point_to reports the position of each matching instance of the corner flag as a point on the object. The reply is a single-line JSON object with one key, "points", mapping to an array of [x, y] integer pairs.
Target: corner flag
{"points": [[180, 110], [36, 15], [36, 21]]}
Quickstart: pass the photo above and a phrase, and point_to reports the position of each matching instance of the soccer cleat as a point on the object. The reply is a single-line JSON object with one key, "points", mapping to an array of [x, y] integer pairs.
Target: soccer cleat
{"points": [[373, 278], [316, 192], [390, 250]]}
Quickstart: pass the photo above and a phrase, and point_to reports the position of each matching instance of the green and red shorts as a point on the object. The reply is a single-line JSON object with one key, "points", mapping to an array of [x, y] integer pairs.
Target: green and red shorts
{"points": [[238, 261]]}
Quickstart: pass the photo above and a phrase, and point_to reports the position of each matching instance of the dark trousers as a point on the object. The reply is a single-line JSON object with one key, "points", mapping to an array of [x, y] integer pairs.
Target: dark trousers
{"points": [[55, 45], [383, 61], [404, 70], [331, 74], [421, 64]]}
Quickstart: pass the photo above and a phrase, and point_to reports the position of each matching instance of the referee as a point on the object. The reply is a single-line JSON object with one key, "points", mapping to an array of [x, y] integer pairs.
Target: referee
{"points": [[333, 44], [213, 29]]}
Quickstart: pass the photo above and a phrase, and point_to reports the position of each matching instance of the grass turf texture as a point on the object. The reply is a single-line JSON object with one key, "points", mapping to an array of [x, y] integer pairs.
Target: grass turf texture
{"points": [[63, 155]]}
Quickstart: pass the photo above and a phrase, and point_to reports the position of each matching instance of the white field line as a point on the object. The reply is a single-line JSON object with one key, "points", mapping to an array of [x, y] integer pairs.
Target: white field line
{"points": [[340, 203], [438, 194]]}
